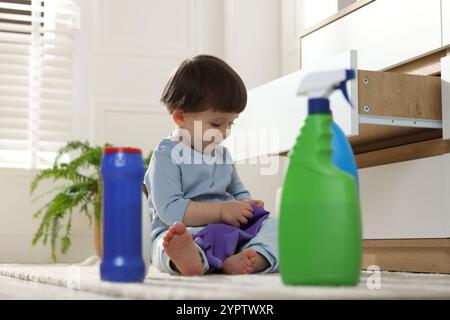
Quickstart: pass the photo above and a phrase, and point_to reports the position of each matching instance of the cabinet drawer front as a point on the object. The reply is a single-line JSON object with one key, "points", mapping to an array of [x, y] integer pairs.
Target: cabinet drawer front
{"points": [[275, 114], [407, 29]]}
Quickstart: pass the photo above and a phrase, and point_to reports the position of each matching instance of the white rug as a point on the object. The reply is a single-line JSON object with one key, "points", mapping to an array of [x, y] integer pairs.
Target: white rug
{"points": [[157, 285]]}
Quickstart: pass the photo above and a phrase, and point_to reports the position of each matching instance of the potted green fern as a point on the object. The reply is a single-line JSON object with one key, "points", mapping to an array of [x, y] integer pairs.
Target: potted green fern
{"points": [[77, 187]]}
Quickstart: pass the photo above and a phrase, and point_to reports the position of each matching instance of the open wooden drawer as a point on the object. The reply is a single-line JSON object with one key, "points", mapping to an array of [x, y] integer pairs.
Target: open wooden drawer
{"points": [[391, 109], [395, 109]]}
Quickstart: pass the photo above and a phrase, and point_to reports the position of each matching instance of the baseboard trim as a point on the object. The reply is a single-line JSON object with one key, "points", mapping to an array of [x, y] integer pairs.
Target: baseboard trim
{"points": [[408, 255]]}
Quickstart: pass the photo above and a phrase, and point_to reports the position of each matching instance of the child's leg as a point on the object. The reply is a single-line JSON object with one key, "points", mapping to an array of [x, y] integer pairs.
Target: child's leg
{"points": [[175, 252], [266, 245]]}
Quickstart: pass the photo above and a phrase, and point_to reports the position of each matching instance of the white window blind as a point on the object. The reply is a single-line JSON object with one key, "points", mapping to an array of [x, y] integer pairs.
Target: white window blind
{"points": [[35, 80]]}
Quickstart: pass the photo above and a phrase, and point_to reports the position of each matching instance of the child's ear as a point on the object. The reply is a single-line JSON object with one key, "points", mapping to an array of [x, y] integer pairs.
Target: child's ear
{"points": [[178, 117]]}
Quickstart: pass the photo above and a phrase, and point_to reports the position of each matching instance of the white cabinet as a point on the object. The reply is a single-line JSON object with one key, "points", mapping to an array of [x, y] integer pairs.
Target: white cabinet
{"points": [[445, 86], [275, 114], [384, 32], [407, 199], [445, 22]]}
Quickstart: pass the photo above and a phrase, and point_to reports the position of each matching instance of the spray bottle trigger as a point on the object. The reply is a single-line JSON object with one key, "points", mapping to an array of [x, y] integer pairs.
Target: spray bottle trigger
{"points": [[350, 74], [343, 87]]}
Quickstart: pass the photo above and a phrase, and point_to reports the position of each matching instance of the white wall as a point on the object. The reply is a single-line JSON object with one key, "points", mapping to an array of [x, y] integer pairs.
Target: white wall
{"points": [[252, 39], [17, 226]]}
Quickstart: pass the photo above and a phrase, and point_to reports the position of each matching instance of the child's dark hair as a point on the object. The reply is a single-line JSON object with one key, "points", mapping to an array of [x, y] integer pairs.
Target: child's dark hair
{"points": [[204, 83]]}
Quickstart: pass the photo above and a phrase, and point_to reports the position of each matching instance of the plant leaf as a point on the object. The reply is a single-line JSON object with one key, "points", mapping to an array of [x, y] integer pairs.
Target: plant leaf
{"points": [[72, 146]]}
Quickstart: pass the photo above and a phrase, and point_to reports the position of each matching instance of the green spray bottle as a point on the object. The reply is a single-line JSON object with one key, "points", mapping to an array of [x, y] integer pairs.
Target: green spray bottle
{"points": [[320, 237]]}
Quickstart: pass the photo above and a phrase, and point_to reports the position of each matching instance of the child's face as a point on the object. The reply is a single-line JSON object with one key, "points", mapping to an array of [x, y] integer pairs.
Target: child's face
{"points": [[206, 127]]}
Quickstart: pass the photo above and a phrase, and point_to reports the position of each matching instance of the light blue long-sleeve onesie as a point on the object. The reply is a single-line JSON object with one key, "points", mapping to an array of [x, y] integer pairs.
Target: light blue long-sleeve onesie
{"points": [[178, 174]]}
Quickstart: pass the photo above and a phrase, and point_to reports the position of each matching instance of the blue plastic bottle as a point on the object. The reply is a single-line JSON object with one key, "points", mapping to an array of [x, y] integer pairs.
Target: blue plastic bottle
{"points": [[122, 170], [343, 156]]}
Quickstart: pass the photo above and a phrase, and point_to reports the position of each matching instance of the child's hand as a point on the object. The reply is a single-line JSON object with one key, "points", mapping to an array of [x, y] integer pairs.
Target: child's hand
{"points": [[235, 212], [258, 203]]}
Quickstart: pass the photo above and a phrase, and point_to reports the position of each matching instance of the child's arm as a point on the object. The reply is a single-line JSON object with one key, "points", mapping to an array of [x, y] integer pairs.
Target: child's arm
{"points": [[163, 182], [202, 213], [231, 212]]}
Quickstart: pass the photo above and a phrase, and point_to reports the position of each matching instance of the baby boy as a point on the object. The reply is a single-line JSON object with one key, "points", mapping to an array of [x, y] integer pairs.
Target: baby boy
{"points": [[192, 180]]}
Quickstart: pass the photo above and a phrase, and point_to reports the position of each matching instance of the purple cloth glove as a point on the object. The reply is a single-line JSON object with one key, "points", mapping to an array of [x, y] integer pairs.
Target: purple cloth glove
{"points": [[220, 240]]}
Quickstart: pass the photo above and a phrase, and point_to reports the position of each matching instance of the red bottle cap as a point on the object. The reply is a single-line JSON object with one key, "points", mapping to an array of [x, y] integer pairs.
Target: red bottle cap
{"points": [[121, 149]]}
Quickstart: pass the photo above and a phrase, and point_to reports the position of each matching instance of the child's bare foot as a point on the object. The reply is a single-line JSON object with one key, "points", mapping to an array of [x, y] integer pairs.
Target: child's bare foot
{"points": [[246, 261], [181, 249], [240, 263]]}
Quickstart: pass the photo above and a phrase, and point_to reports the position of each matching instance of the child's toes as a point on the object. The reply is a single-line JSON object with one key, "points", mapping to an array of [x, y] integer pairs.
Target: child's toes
{"points": [[166, 239], [251, 254], [177, 228], [169, 235]]}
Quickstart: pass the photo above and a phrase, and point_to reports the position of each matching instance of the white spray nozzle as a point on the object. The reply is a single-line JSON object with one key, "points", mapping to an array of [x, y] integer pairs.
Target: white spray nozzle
{"points": [[322, 84]]}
